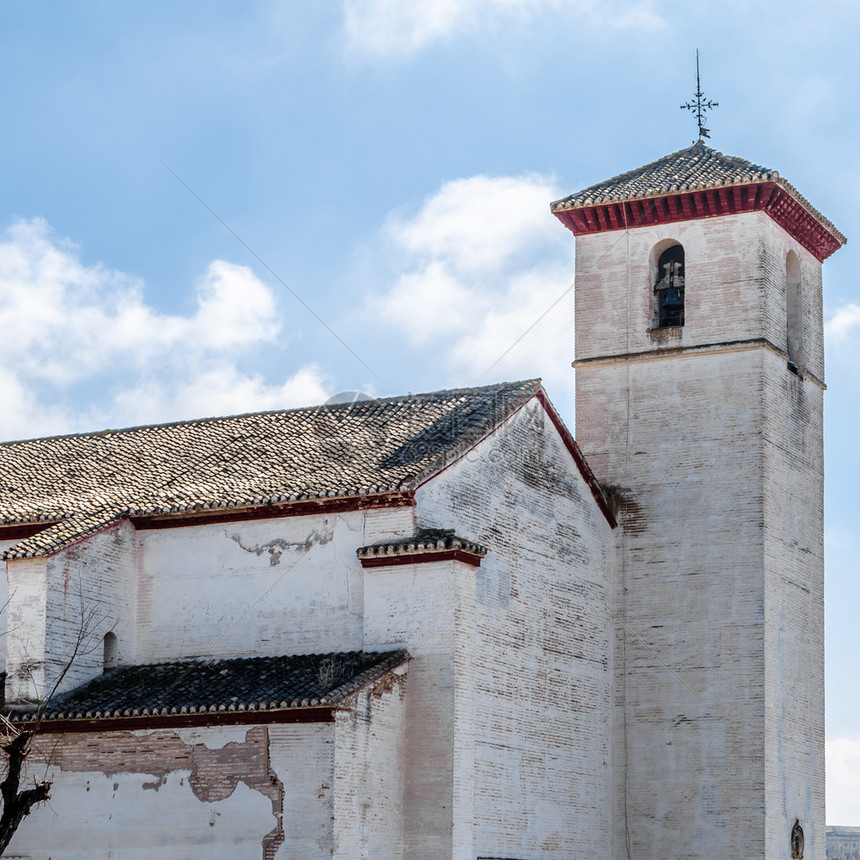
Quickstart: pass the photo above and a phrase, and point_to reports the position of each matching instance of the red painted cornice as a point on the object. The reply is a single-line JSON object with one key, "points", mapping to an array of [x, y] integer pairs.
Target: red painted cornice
{"points": [[301, 508], [181, 721], [21, 531], [421, 558], [769, 197]]}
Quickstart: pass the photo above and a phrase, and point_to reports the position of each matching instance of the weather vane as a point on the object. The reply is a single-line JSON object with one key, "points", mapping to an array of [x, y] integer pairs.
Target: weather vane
{"points": [[701, 104]]}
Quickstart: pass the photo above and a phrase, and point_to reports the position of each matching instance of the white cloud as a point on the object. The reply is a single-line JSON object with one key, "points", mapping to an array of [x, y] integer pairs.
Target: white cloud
{"points": [[218, 390], [843, 324], [400, 28], [67, 324], [843, 781], [481, 262]]}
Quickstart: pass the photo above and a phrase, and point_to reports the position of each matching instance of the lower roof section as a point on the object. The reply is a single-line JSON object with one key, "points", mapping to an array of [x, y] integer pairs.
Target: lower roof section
{"points": [[203, 692]]}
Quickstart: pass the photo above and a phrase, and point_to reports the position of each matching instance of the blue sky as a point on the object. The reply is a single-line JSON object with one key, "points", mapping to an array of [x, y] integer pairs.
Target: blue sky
{"points": [[392, 161]]}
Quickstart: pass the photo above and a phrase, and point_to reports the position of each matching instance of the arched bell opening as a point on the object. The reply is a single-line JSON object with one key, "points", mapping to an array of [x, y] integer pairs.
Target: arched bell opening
{"points": [[669, 287]]}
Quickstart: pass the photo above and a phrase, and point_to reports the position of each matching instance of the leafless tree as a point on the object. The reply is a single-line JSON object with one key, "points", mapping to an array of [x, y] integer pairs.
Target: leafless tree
{"points": [[16, 742]]}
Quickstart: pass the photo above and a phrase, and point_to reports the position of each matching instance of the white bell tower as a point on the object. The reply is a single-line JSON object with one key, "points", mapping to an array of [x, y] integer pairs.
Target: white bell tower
{"points": [[699, 383]]}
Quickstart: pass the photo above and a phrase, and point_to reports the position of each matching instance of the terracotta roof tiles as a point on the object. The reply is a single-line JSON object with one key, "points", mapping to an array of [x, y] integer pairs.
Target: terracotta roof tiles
{"points": [[213, 686], [82, 482], [425, 541], [697, 167]]}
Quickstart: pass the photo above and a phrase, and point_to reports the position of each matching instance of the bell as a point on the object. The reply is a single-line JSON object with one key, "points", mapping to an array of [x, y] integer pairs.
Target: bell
{"points": [[673, 300]]}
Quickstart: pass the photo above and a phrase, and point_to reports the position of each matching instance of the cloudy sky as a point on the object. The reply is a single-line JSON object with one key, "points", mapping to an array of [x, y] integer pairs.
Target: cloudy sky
{"points": [[228, 206]]}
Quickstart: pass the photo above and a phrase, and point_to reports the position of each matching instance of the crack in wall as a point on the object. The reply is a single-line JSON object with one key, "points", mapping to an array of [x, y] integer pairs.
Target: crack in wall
{"points": [[277, 547]]}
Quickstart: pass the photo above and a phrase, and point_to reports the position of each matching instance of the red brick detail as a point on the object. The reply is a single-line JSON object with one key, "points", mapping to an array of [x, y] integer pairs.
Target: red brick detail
{"points": [[769, 197], [215, 773], [422, 557], [304, 507]]}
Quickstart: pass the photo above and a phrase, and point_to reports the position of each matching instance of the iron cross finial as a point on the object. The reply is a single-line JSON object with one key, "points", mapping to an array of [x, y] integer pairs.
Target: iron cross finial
{"points": [[701, 104]]}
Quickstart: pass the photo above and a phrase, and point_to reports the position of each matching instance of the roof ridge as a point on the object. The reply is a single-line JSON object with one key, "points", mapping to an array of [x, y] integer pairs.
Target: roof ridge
{"points": [[627, 173], [699, 148], [424, 395]]}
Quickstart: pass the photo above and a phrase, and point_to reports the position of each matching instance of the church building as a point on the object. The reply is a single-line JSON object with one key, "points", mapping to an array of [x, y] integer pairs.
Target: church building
{"points": [[442, 625]]}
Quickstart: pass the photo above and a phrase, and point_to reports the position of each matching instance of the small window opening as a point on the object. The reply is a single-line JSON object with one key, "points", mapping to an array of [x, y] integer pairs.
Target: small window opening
{"points": [[793, 314], [669, 288], [110, 655]]}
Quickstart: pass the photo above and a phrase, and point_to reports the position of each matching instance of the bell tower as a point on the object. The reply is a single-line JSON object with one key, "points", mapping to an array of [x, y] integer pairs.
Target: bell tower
{"points": [[699, 389]]}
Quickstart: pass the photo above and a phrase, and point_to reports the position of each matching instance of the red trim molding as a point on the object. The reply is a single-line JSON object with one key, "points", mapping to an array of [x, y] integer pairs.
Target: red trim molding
{"points": [[422, 557], [768, 197], [21, 531], [181, 721], [303, 507]]}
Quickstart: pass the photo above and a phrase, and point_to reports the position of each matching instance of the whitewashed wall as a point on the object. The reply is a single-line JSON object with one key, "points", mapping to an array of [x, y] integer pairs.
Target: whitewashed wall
{"points": [[794, 611], [537, 681], [4, 600], [91, 590], [25, 637], [369, 784], [279, 586], [257, 587], [429, 608]]}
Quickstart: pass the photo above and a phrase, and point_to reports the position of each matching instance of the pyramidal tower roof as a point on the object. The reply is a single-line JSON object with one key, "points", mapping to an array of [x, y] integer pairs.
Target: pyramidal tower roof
{"points": [[697, 182]]}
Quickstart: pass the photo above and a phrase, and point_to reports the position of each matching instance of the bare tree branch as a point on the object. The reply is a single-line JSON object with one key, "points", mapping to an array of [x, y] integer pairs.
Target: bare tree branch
{"points": [[16, 803], [16, 743]]}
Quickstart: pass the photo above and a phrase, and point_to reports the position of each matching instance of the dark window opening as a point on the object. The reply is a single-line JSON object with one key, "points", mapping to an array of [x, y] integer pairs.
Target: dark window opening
{"points": [[669, 288], [110, 652], [793, 314]]}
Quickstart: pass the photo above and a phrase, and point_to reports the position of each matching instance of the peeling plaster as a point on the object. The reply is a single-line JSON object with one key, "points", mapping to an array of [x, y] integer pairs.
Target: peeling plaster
{"points": [[278, 546], [212, 741], [214, 768]]}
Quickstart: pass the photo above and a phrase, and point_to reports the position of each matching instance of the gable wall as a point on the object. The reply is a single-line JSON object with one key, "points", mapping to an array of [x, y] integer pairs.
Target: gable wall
{"points": [[540, 673], [91, 590], [62, 606]]}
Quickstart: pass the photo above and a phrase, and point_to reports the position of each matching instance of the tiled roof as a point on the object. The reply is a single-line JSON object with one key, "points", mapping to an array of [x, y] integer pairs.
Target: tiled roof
{"points": [[696, 167], [425, 541], [217, 686], [82, 482]]}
